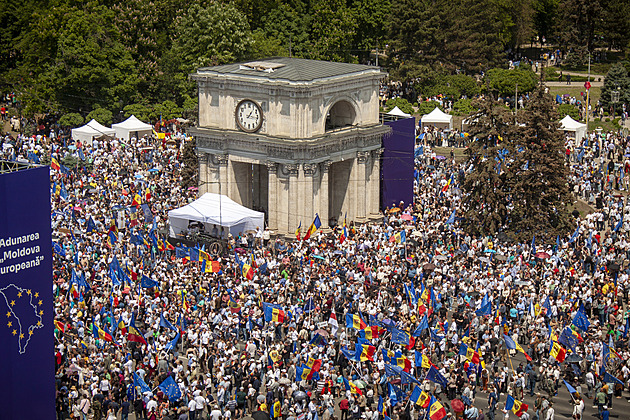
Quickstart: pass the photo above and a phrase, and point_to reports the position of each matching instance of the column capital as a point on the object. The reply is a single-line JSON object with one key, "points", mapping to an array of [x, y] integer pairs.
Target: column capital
{"points": [[290, 169], [272, 166], [309, 168], [362, 157], [219, 160], [325, 165]]}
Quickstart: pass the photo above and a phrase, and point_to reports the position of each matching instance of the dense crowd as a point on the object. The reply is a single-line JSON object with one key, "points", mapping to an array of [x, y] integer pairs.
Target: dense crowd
{"points": [[401, 319]]}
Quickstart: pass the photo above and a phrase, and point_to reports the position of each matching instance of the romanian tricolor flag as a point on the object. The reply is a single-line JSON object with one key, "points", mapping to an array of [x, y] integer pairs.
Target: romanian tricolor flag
{"points": [[350, 386], [54, 164], [60, 326], [136, 201], [74, 291], [274, 314], [161, 246], [121, 325], [100, 334], [436, 410], [448, 184], [314, 226], [133, 334], [168, 246], [355, 321], [558, 352]]}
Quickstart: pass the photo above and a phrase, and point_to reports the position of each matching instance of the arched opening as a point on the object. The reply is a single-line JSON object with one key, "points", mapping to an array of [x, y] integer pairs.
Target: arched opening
{"points": [[340, 115]]}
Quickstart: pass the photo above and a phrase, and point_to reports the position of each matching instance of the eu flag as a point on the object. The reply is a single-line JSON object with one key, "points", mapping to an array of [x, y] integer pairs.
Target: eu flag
{"points": [[139, 383], [147, 283], [171, 389]]}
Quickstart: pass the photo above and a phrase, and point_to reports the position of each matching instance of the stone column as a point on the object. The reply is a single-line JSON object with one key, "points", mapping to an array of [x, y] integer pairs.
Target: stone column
{"points": [[291, 206], [307, 200], [323, 195], [202, 181], [359, 182], [374, 204], [272, 198], [221, 186]]}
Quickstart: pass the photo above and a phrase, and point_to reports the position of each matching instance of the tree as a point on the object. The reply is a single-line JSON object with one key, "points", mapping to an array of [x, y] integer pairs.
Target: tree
{"points": [[485, 202], [576, 25], [428, 106], [216, 33], [102, 115], [371, 18], [570, 110], [333, 30], [139, 110], [463, 107], [190, 165], [544, 19], [616, 79], [539, 192], [401, 103], [504, 82], [71, 119]]}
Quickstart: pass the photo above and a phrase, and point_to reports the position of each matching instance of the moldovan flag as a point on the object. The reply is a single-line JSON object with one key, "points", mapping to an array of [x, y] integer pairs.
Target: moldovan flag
{"points": [[54, 164], [208, 266], [419, 397], [370, 332], [136, 201], [248, 271], [557, 352], [133, 334], [355, 321], [298, 231], [367, 352], [274, 314], [436, 410], [99, 333], [60, 326], [314, 226]]}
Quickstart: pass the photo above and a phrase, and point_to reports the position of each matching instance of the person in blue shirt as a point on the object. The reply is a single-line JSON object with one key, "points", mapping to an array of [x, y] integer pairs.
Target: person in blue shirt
{"points": [[605, 414], [492, 402]]}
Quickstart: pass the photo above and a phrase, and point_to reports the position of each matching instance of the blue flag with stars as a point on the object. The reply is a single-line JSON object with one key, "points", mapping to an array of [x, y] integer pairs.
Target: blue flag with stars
{"points": [[171, 389]]}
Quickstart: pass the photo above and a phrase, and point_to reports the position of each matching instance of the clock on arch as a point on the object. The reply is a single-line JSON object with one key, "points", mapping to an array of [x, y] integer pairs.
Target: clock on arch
{"points": [[249, 116]]}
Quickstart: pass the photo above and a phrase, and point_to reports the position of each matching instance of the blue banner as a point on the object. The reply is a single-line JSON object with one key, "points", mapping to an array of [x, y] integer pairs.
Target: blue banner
{"points": [[27, 388]]}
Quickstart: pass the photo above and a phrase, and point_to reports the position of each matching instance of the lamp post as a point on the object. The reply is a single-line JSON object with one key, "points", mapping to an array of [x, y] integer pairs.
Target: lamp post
{"points": [[614, 97]]}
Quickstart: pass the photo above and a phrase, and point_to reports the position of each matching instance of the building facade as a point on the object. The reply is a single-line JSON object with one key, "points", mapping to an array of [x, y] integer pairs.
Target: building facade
{"points": [[293, 138]]}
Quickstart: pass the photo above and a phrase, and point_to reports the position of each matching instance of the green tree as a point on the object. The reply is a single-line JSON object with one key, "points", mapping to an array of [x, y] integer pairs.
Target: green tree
{"points": [[570, 110], [544, 19], [428, 106], [167, 110], [616, 79], [102, 115], [485, 203], [333, 30], [71, 119], [92, 67], [140, 110], [505, 81], [539, 191], [371, 17], [463, 107], [577, 24], [401, 103], [211, 34]]}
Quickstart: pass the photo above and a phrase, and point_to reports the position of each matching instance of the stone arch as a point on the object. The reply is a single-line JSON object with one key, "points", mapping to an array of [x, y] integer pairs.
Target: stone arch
{"points": [[342, 113]]}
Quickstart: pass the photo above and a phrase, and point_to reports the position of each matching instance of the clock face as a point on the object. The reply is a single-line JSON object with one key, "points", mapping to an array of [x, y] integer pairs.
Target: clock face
{"points": [[249, 116]]}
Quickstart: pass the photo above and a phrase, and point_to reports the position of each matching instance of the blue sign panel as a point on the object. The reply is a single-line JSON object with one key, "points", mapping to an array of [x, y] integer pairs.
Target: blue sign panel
{"points": [[27, 376]]}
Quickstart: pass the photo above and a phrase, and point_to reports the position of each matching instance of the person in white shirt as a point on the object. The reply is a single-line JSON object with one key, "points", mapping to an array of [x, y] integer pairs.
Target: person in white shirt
{"points": [[192, 408]]}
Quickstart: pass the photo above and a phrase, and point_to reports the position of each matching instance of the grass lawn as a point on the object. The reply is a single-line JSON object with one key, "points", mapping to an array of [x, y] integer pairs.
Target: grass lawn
{"points": [[575, 90]]}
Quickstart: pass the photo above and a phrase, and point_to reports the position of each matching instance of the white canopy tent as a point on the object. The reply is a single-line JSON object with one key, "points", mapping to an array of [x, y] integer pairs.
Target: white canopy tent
{"points": [[578, 129], [215, 209], [132, 127], [397, 112], [91, 130], [438, 119]]}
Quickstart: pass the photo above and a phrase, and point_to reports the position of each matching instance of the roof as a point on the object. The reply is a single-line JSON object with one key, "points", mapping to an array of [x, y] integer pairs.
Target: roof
{"points": [[437, 116], [398, 112], [289, 69], [569, 124]]}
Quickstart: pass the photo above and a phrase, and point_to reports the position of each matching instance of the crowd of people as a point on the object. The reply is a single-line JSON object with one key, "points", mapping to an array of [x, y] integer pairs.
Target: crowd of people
{"points": [[408, 318]]}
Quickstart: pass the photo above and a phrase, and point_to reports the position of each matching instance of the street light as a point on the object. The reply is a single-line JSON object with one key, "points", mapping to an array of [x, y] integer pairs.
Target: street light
{"points": [[614, 96]]}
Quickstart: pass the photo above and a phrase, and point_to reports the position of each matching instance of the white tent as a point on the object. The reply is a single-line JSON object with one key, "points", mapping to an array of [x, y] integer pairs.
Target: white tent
{"points": [[132, 127], [215, 209], [397, 112], [572, 126], [91, 130], [438, 119]]}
